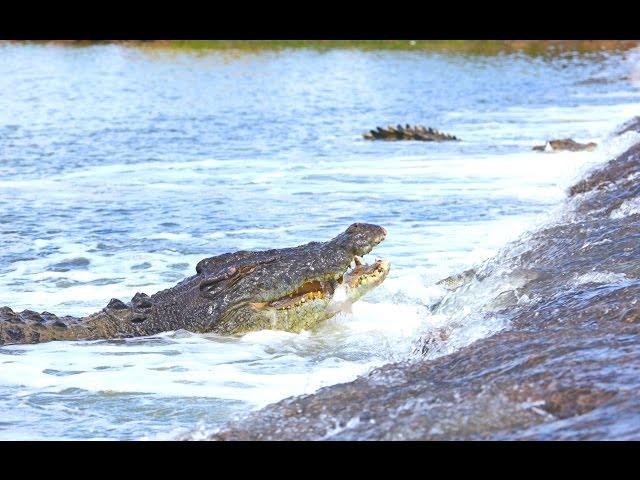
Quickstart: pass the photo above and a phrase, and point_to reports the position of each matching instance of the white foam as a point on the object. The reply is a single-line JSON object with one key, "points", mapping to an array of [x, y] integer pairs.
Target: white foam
{"points": [[600, 277], [627, 208], [196, 366]]}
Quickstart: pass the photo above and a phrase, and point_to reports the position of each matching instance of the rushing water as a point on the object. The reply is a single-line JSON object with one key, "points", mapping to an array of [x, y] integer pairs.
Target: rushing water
{"points": [[120, 169]]}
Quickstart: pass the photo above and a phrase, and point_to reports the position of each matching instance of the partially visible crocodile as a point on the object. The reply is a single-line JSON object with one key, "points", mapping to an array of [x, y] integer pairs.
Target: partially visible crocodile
{"points": [[408, 132], [287, 289], [565, 144]]}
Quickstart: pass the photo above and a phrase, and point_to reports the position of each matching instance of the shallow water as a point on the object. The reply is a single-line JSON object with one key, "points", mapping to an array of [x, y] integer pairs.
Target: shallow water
{"points": [[120, 169]]}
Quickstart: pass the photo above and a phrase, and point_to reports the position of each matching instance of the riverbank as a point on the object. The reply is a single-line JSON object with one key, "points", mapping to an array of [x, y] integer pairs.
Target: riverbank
{"points": [[566, 365], [470, 47]]}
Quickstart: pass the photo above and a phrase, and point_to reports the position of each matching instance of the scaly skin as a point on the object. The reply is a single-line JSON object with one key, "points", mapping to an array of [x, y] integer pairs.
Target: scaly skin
{"points": [[289, 289], [565, 144], [408, 132]]}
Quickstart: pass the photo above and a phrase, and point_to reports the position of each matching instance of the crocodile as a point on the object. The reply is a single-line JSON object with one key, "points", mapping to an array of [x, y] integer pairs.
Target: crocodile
{"points": [[565, 144], [408, 132], [290, 289]]}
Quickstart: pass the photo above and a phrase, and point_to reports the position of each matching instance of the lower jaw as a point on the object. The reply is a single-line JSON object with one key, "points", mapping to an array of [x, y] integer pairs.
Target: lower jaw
{"points": [[362, 276], [294, 320], [313, 311]]}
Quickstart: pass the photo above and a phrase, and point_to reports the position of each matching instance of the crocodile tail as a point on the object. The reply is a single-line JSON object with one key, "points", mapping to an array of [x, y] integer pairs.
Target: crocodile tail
{"points": [[116, 320], [33, 327]]}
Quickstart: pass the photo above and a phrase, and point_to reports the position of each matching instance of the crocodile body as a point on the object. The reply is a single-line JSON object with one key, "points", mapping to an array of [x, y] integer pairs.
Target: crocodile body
{"points": [[566, 144], [408, 132], [288, 289]]}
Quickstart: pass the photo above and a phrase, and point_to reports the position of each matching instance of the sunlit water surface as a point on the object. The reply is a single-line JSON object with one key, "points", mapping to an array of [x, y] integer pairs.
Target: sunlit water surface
{"points": [[120, 169]]}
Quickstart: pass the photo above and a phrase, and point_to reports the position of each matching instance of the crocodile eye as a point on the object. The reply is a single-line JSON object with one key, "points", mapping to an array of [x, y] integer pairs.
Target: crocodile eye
{"points": [[230, 275], [211, 279]]}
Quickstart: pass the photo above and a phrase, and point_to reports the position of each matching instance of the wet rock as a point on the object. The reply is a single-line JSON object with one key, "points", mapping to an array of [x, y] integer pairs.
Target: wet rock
{"points": [[456, 281], [31, 316], [7, 314], [115, 304], [141, 301], [502, 301], [50, 318], [138, 318], [615, 170], [569, 402], [632, 315], [632, 125]]}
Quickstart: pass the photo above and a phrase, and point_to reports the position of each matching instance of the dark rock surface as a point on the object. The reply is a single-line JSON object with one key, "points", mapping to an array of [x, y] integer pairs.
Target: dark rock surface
{"points": [[567, 365]]}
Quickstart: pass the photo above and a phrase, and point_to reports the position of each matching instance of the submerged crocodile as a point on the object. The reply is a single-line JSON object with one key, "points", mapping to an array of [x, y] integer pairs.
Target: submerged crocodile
{"points": [[565, 144], [286, 289], [408, 132]]}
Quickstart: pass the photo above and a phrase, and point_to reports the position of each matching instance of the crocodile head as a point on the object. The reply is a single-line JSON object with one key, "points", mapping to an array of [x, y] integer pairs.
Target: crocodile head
{"points": [[288, 289]]}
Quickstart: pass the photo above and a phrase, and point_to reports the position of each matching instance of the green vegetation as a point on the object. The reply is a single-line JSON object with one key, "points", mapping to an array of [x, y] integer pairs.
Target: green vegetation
{"points": [[324, 44], [488, 47], [471, 47]]}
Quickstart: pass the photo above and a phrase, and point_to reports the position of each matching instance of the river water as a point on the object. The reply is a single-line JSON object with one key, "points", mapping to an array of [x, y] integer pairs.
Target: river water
{"points": [[120, 168]]}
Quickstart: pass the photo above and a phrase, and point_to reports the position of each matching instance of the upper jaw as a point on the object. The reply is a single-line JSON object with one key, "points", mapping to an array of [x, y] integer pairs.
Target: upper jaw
{"points": [[328, 282], [358, 280], [372, 243]]}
